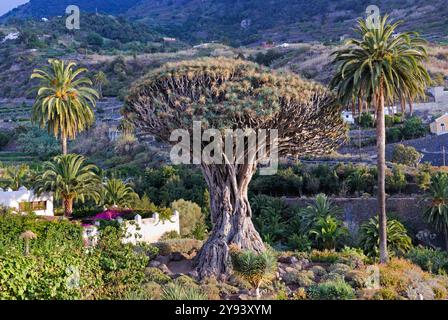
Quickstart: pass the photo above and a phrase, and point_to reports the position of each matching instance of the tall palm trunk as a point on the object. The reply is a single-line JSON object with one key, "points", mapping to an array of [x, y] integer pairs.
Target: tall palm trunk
{"points": [[445, 233], [402, 105], [381, 145], [68, 206], [360, 103], [411, 107], [64, 144]]}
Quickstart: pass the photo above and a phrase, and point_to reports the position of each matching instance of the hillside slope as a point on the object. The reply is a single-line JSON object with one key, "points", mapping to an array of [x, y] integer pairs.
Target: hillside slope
{"points": [[51, 8], [241, 22]]}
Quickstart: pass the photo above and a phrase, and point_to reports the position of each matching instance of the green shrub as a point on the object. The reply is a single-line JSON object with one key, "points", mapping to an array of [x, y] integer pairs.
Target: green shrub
{"points": [[123, 264], [366, 120], [396, 181], [394, 135], [325, 256], [356, 278], [178, 245], [5, 137], [190, 215], [414, 128], [170, 235], [200, 231], [331, 290], [300, 278], [50, 234], [353, 257], [156, 275], [339, 268], [434, 261], [52, 275], [406, 155]]}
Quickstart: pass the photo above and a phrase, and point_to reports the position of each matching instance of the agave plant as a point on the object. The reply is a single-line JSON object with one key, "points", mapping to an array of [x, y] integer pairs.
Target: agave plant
{"points": [[437, 211], [328, 231], [178, 291], [255, 268], [322, 207], [398, 240]]}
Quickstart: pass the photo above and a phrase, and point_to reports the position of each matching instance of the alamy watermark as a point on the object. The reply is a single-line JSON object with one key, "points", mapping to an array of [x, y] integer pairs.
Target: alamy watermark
{"points": [[72, 22], [229, 147], [373, 17]]}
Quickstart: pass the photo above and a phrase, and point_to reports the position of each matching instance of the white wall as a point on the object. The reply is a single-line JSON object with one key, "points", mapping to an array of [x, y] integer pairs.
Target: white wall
{"points": [[11, 199], [150, 230], [140, 230]]}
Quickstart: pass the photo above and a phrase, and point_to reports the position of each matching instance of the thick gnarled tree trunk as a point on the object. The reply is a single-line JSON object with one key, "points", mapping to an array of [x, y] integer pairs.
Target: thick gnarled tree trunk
{"points": [[231, 217]]}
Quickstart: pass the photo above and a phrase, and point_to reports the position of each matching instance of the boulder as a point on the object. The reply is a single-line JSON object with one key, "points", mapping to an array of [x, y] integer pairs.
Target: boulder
{"points": [[154, 264]]}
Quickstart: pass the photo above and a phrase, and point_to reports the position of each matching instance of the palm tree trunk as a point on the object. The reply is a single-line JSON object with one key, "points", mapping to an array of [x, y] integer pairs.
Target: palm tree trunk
{"points": [[445, 232], [360, 103], [381, 145], [68, 206], [402, 105], [411, 107], [64, 144]]}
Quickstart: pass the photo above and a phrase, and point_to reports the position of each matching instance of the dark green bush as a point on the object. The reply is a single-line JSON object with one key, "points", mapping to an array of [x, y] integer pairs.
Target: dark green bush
{"points": [[432, 260], [331, 290]]}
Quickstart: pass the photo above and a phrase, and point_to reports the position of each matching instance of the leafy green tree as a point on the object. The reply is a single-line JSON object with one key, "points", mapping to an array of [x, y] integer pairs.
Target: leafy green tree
{"points": [[70, 178], [64, 102], [437, 211], [396, 181], [100, 80], [94, 39], [406, 155], [414, 128], [190, 215], [118, 194], [17, 176], [234, 94], [382, 64]]}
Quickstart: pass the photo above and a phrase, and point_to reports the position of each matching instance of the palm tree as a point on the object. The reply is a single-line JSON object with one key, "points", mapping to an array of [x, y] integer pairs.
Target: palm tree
{"points": [[321, 208], [65, 101], [70, 178], [100, 80], [398, 240], [118, 193], [17, 176], [437, 211], [382, 65]]}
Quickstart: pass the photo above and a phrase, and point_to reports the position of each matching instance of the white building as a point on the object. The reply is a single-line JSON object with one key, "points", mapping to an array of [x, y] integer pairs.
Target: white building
{"points": [[439, 94], [11, 36], [24, 200], [347, 116]]}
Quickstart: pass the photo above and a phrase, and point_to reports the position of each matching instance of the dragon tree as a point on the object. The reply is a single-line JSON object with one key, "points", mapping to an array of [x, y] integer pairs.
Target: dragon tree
{"points": [[226, 94]]}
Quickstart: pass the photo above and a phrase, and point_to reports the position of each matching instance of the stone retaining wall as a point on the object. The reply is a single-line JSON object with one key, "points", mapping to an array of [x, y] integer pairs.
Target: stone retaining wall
{"points": [[408, 210]]}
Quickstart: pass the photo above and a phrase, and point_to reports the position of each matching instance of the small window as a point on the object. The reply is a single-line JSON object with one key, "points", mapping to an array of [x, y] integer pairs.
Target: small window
{"points": [[32, 206]]}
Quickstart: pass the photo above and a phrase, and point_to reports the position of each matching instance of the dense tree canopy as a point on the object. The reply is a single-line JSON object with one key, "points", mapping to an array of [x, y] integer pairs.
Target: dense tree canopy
{"points": [[225, 93]]}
